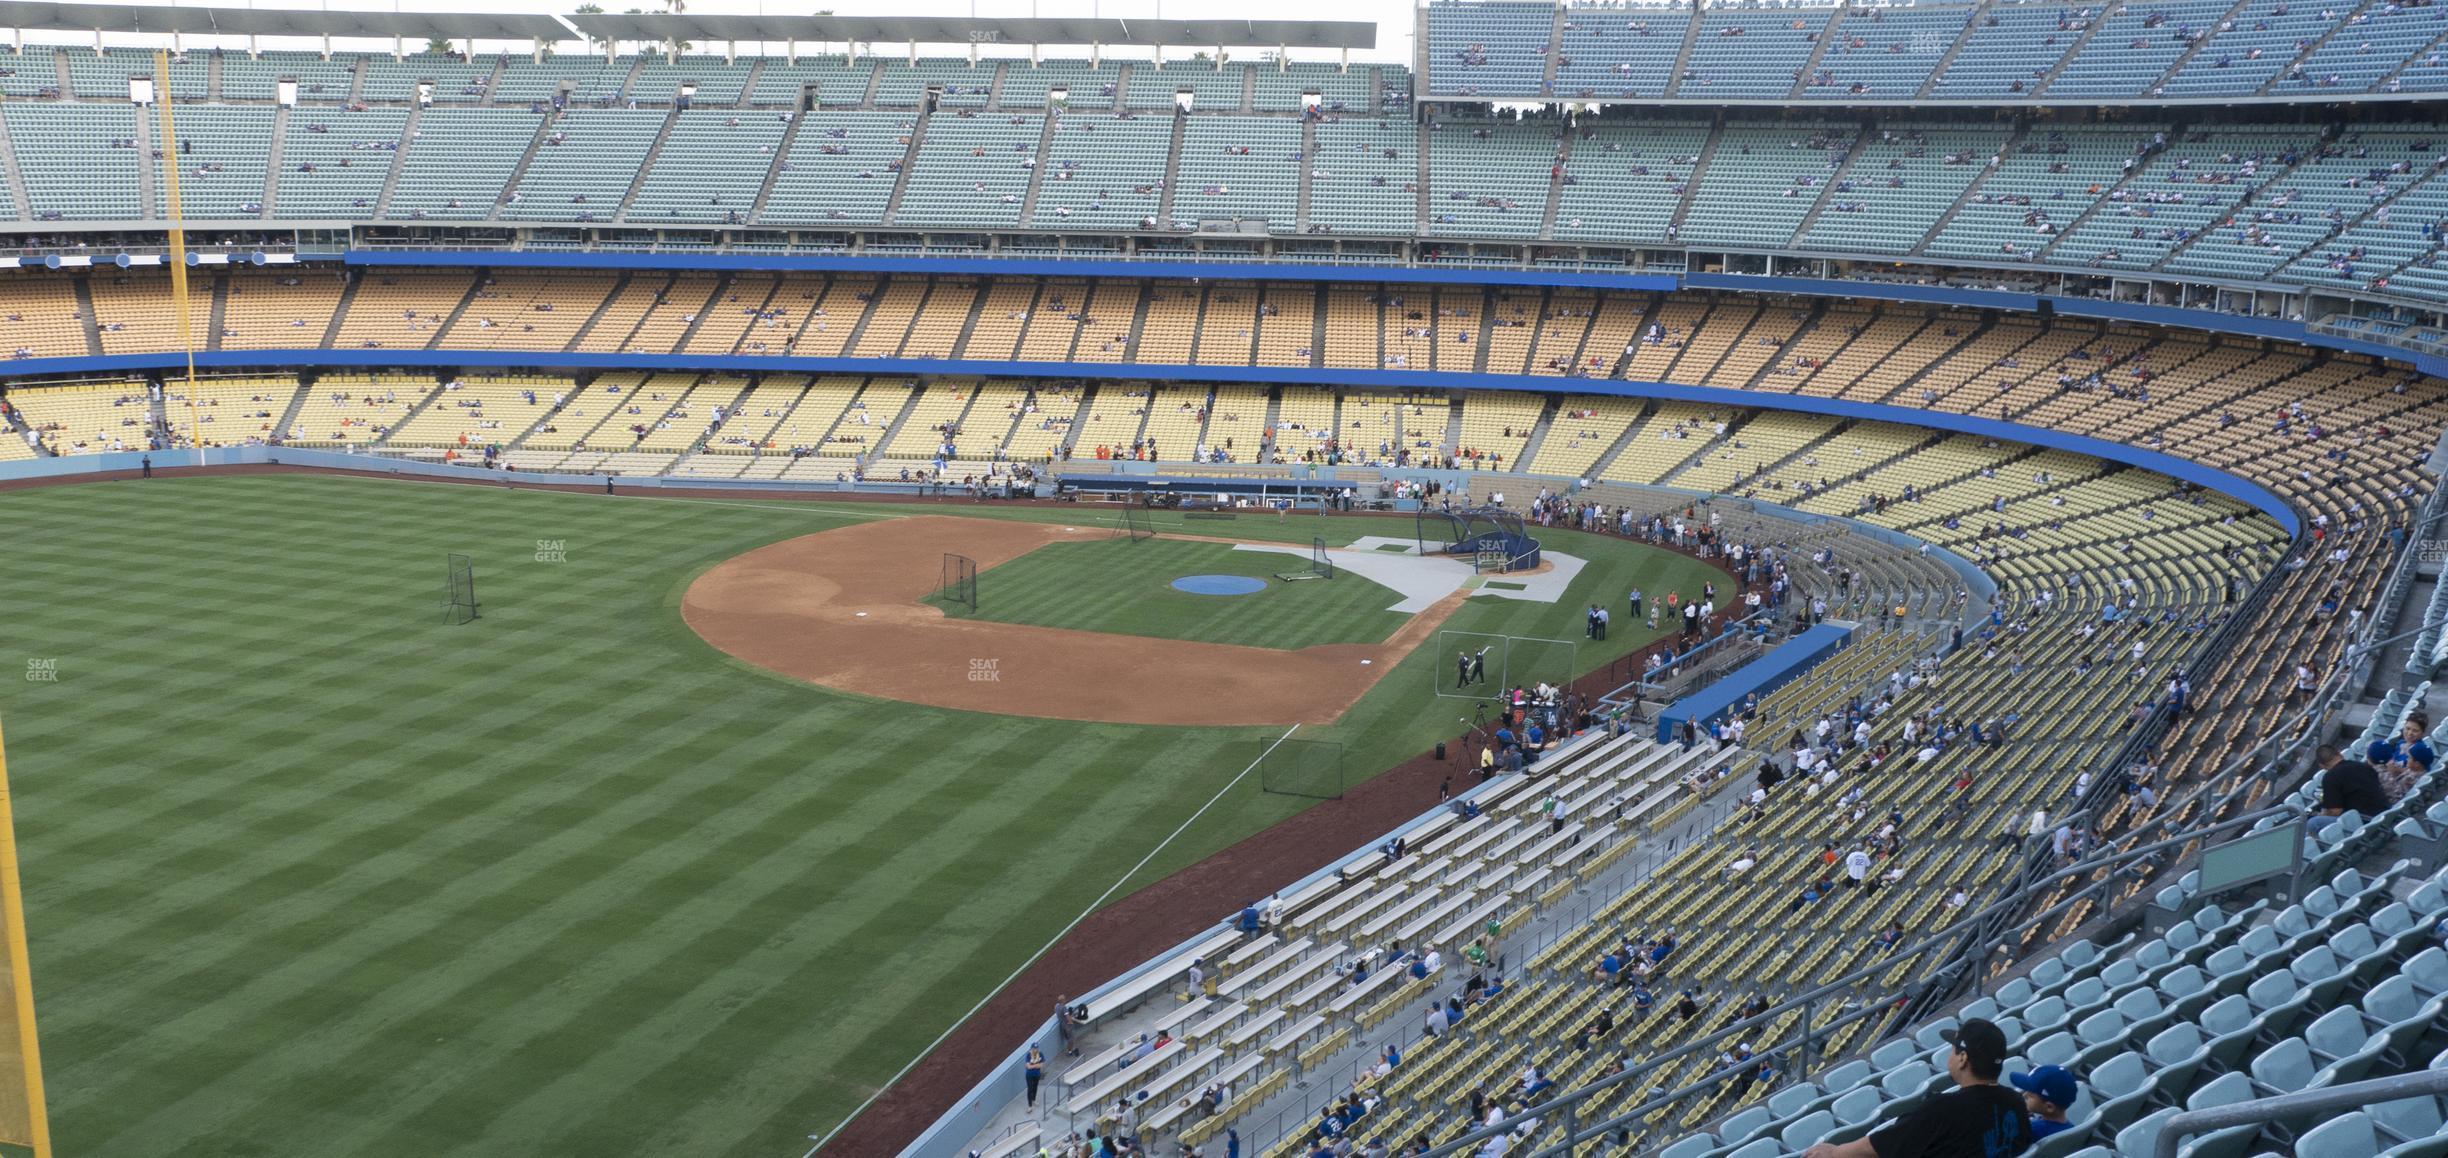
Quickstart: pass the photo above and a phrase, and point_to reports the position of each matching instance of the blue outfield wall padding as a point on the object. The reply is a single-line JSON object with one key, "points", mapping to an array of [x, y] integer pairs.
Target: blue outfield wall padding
{"points": [[1390, 380], [1790, 659]]}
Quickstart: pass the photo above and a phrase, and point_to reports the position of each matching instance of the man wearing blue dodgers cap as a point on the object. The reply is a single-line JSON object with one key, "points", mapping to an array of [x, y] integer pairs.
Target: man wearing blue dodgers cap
{"points": [[1976, 1119], [2049, 1093]]}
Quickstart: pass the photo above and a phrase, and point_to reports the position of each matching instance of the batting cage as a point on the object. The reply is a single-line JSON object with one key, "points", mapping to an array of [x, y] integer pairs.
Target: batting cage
{"points": [[1492, 538], [1308, 768], [958, 589], [1320, 567], [1475, 665], [458, 589]]}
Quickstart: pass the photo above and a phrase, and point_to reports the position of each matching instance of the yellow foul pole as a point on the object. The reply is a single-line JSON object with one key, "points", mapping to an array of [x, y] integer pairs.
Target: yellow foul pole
{"points": [[30, 1117], [178, 244]]}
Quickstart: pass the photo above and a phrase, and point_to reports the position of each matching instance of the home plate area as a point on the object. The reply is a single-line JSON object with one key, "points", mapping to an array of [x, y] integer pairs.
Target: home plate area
{"points": [[1396, 563]]}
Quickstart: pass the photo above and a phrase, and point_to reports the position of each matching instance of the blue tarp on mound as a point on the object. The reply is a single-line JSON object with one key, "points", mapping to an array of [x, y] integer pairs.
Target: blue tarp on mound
{"points": [[1763, 675]]}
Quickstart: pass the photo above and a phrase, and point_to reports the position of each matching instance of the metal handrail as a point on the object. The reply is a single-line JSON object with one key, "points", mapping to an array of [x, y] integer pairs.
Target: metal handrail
{"points": [[2349, 1096], [1565, 1104]]}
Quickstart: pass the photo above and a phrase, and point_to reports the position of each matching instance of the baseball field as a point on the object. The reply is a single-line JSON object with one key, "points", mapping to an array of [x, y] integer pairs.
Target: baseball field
{"points": [[311, 871]]}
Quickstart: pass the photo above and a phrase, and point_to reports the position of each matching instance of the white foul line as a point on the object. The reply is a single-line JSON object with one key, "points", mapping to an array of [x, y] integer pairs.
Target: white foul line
{"points": [[1032, 958]]}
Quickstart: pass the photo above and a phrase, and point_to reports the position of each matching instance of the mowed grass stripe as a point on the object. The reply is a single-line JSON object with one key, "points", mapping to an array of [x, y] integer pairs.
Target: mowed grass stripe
{"points": [[405, 969], [702, 943], [305, 865]]}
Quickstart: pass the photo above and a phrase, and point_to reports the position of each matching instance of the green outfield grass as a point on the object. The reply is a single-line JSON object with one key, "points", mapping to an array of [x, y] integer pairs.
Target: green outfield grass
{"points": [[310, 872], [1124, 587]]}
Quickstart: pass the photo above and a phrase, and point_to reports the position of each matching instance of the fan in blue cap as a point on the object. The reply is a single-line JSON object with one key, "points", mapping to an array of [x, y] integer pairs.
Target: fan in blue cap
{"points": [[2049, 1093]]}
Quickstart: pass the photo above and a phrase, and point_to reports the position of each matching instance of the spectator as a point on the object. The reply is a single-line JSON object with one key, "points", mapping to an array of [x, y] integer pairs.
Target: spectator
{"points": [[2048, 1092], [1978, 1118], [2403, 759], [2346, 785]]}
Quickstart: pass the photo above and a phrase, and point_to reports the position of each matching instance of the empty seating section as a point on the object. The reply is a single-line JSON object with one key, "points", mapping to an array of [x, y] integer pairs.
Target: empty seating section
{"points": [[2336, 183], [1763, 180], [517, 310], [1899, 184], [229, 411], [42, 319], [454, 80], [1623, 181], [1496, 425], [85, 419], [988, 423], [2133, 45], [400, 310], [1353, 90], [334, 162], [971, 170], [2247, 51], [1177, 417], [691, 414], [2009, 50], [354, 410], [841, 168], [1084, 88], [479, 411], [1211, 89], [836, 84], [956, 84], [937, 327], [1492, 49], [79, 160], [220, 159], [2369, 48], [286, 312], [710, 168], [131, 314], [104, 76], [584, 165], [1365, 177], [1488, 178], [666, 322], [2047, 180], [2182, 188], [1750, 52], [1239, 168], [1043, 426], [31, 73], [716, 84], [458, 161], [1287, 326], [588, 79], [1236, 424], [1885, 53], [257, 78], [1619, 53], [2231, 1004], [1101, 171]]}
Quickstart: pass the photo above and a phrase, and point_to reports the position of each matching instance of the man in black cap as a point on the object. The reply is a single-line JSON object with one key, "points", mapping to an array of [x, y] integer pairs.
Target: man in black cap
{"points": [[1977, 1119], [2346, 786]]}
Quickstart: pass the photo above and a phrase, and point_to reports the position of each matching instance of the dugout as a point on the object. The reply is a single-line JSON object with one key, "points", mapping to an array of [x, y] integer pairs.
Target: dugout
{"points": [[1791, 660]]}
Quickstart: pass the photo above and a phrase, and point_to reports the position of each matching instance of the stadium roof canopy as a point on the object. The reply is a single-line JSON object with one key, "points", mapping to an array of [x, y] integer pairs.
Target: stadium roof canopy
{"points": [[213, 21], [953, 30]]}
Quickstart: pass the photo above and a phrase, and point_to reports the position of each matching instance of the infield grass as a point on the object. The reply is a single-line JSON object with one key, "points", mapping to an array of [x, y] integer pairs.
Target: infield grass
{"points": [[311, 873], [1122, 587]]}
